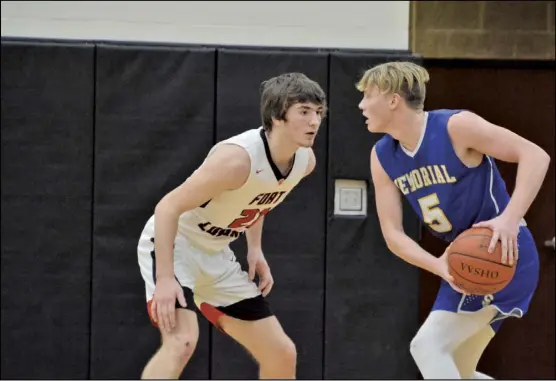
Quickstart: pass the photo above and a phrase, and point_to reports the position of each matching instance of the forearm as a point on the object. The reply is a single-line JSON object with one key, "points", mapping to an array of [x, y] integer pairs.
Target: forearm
{"points": [[166, 226], [407, 249], [531, 171], [254, 234]]}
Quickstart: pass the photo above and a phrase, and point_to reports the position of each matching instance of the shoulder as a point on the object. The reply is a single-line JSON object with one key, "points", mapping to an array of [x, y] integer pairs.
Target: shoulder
{"points": [[464, 124], [249, 140], [463, 117], [384, 145], [445, 117], [231, 162]]}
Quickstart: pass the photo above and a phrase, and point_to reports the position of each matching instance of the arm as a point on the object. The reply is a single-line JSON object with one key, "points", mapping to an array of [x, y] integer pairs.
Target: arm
{"points": [[469, 132], [227, 168], [390, 212], [254, 234]]}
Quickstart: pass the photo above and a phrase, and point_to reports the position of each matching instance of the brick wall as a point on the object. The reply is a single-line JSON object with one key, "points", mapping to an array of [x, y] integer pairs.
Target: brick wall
{"points": [[483, 29]]}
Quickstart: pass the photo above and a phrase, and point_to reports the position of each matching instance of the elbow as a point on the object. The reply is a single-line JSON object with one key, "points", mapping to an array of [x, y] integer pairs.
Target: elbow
{"points": [[545, 158], [165, 207], [159, 208], [541, 159], [161, 205], [392, 241], [537, 155]]}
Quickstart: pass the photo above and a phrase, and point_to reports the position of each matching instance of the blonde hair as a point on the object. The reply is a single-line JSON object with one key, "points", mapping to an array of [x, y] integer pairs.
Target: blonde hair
{"points": [[404, 78]]}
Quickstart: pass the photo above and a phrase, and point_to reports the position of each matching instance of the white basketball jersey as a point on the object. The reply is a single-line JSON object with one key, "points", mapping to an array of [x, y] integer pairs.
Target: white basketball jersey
{"points": [[212, 226]]}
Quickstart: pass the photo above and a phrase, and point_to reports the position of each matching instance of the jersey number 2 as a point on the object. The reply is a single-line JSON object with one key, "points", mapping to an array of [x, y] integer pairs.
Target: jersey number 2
{"points": [[248, 217], [433, 215]]}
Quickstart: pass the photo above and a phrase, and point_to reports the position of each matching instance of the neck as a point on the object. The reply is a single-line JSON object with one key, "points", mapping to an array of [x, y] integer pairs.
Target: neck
{"points": [[407, 128], [282, 150]]}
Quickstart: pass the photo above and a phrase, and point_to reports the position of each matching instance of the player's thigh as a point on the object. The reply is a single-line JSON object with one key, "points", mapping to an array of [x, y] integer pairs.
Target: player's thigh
{"points": [[225, 283], [467, 354], [265, 339], [445, 330], [185, 269], [186, 329], [233, 303]]}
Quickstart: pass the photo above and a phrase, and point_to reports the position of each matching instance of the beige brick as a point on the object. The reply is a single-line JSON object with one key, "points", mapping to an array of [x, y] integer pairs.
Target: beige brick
{"points": [[412, 29], [499, 44], [485, 44], [430, 44], [515, 15], [534, 46], [447, 14]]}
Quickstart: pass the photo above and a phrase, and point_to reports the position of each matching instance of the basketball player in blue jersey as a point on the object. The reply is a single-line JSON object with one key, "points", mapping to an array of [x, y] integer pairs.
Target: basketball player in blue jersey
{"points": [[443, 163], [185, 258]]}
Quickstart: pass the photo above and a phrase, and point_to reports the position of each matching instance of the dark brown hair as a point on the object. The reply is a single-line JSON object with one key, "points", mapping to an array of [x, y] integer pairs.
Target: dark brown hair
{"points": [[279, 93]]}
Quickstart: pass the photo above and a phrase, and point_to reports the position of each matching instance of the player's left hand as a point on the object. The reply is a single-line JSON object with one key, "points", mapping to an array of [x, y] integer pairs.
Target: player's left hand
{"points": [[504, 230], [258, 264]]}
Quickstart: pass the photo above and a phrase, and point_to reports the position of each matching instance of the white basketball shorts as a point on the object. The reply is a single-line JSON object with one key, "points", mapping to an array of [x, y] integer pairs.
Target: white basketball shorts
{"points": [[213, 279]]}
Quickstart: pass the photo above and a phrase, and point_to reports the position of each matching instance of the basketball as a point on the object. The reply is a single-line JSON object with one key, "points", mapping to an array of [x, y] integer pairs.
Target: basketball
{"points": [[475, 270]]}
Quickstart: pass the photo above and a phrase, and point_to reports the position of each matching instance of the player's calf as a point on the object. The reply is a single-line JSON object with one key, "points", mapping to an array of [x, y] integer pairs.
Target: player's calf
{"points": [[267, 342], [172, 357]]}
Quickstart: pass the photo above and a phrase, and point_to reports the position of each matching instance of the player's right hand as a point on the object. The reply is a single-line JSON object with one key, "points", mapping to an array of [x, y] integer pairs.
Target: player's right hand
{"points": [[444, 273], [163, 307]]}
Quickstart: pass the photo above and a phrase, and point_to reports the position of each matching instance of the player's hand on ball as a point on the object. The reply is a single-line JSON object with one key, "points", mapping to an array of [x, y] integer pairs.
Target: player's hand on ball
{"points": [[505, 230], [444, 273], [258, 264], [163, 308]]}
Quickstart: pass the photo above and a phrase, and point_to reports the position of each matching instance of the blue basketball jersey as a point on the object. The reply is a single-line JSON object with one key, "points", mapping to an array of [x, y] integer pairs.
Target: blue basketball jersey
{"points": [[448, 196]]}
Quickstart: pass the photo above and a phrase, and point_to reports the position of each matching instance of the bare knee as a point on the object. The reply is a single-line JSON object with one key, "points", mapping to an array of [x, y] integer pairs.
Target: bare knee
{"points": [[179, 346], [284, 354], [288, 352]]}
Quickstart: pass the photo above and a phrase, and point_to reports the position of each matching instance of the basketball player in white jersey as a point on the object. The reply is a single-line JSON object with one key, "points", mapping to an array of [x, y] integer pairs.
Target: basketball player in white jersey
{"points": [[185, 258]]}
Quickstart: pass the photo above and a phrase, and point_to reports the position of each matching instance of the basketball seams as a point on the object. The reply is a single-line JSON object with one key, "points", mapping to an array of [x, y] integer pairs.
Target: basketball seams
{"points": [[481, 259]]}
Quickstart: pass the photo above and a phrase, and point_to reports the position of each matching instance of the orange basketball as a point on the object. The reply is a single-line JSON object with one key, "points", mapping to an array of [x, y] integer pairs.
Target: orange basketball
{"points": [[475, 270]]}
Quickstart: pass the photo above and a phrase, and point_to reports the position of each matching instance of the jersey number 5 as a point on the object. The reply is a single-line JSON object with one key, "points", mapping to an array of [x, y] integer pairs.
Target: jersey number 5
{"points": [[433, 215], [248, 217]]}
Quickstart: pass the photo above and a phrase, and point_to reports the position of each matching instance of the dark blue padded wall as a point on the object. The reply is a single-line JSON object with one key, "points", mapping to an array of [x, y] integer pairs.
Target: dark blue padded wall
{"points": [[294, 233], [47, 155], [154, 125], [371, 299]]}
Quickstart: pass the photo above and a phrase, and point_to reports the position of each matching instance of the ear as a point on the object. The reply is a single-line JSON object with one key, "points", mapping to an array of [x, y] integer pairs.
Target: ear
{"points": [[276, 122], [395, 101]]}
